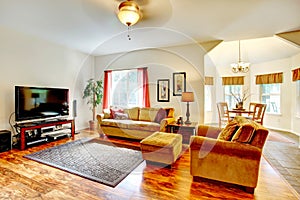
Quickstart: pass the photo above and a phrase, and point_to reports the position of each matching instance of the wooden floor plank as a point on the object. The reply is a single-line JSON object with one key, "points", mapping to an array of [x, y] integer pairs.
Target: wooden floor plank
{"points": [[21, 178]]}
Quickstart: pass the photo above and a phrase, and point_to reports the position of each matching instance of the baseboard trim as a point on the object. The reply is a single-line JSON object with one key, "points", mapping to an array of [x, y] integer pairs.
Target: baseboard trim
{"points": [[282, 130]]}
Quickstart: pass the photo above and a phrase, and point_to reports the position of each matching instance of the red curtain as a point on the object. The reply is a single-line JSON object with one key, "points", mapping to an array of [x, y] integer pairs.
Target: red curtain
{"points": [[107, 89], [146, 97]]}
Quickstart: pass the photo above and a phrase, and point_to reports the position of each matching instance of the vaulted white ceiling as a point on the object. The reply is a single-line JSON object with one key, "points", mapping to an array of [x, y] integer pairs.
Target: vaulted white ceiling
{"points": [[91, 26], [252, 50]]}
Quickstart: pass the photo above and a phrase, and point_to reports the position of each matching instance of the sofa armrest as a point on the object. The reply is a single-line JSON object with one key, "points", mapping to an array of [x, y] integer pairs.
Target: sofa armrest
{"points": [[100, 117], [227, 148], [208, 131], [165, 122]]}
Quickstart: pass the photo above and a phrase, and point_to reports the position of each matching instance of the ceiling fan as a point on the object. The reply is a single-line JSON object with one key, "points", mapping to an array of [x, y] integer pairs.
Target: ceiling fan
{"points": [[129, 12], [150, 12]]}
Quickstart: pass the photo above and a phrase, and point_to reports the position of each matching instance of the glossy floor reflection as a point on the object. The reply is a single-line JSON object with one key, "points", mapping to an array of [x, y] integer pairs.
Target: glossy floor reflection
{"points": [[283, 153], [22, 178]]}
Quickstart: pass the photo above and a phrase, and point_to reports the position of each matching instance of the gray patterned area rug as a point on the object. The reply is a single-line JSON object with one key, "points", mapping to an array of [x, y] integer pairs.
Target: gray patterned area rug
{"points": [[94, 159]]}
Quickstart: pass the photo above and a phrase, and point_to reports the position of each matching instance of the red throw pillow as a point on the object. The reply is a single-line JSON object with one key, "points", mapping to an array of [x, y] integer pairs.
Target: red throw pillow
{"points": [[113, 112], [160, 115], [119, 115]]}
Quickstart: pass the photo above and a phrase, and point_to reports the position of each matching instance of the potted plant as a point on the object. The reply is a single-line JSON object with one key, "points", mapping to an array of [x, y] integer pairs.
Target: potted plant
{"points": [[240, 99], [93, 92]]}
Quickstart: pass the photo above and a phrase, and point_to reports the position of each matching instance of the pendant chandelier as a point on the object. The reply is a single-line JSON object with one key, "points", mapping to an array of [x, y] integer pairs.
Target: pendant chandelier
{"points": [[240, 66]]}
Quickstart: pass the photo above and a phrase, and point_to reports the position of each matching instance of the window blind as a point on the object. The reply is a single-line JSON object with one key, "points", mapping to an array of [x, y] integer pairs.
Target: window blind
{"points": [[296, 74], [209, 80], [234, 80], [269, 78]]}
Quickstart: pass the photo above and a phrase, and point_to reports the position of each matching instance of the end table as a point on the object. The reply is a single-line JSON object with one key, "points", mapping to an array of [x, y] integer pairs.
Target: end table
{"points": [[186, 130]]}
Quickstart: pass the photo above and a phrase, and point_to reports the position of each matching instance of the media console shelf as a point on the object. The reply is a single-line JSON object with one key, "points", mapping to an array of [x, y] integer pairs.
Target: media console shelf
{"points": [[38, 128]]}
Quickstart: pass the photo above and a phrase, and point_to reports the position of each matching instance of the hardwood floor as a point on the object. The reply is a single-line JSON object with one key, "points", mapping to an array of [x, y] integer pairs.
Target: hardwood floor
{"points": [[21, 178]]}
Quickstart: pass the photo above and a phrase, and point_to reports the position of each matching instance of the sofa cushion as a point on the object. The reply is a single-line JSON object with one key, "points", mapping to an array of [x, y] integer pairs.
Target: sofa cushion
{"points": [[144, 126], [160, 115], [147, 114], [228, 131], [170, 112], [133, 113], [121, 115], [114, 110], [260, 134], [243, 134], [131, 124], [109, 122]]}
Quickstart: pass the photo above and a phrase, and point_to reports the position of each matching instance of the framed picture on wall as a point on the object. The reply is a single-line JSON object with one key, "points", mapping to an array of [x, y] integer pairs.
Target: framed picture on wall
{"points": [[179, 83], [163, 90]]}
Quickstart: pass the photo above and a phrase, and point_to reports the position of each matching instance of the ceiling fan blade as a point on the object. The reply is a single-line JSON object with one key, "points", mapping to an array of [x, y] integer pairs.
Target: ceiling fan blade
{"points": [[156, 13], [139, 2]]}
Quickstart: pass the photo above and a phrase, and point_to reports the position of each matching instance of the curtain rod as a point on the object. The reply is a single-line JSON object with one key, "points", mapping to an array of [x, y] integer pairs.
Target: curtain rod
{"points": [[126, 69]]}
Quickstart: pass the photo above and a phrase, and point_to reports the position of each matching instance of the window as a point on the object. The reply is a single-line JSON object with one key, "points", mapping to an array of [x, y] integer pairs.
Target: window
{"points": [[208, 98], [126, 88], [270, 95], [298, 98], [229, 90]]}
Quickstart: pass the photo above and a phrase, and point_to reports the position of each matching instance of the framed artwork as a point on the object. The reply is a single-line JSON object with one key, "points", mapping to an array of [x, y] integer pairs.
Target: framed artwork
{"points": [[163, 90], [179, 83]]}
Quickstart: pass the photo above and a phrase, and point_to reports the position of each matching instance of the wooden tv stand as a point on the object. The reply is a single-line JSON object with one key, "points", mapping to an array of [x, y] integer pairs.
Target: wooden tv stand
{"points": [[38, 126]]}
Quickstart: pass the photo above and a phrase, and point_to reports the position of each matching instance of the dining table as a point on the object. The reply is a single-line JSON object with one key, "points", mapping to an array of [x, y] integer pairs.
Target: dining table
{"points": [[240, 111]]}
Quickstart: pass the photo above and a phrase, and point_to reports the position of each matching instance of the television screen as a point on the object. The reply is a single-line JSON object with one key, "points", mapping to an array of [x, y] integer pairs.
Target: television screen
{"points": [[40, 102]]}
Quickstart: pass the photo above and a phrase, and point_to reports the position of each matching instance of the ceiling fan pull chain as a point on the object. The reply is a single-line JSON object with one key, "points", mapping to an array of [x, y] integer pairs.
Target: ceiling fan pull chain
{"points": [[128, 33]]}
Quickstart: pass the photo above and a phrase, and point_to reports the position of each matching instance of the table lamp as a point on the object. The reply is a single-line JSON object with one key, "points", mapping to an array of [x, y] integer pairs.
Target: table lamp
{"points": [[187, 97]]}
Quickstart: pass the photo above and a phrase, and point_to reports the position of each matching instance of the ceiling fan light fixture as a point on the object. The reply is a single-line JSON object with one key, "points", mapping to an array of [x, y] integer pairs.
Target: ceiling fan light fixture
{"points": [[129, 13], [240, 66]]}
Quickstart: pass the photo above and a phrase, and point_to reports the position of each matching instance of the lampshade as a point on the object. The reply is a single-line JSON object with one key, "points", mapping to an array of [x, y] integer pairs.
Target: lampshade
{"points": [[187, 97], [129, 13]]}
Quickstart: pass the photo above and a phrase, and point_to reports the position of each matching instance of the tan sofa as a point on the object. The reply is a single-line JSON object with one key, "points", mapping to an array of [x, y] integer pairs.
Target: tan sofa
{"points": [[135, 123], [230, 155]]}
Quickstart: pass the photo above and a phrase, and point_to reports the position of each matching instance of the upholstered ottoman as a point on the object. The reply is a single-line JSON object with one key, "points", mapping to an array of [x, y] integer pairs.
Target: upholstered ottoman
{"points": [[162, 147]]}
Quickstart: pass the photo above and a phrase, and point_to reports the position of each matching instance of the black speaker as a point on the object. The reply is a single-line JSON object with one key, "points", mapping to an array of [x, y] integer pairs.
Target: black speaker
{"points": [[5, 140], [74, 108]]}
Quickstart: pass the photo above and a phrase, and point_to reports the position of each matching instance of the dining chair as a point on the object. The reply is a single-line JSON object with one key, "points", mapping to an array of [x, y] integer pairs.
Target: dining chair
{"points": [[259, 112], [223, 113], [251, 106]]}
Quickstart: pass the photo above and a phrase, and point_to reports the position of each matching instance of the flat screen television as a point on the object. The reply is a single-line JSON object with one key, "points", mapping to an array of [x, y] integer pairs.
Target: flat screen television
{"points": [[40, 102]]}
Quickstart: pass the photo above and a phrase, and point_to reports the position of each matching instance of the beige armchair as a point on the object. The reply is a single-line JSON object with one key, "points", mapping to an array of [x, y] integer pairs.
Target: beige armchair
{"points": [[230, 161]]}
